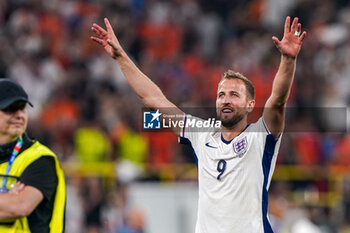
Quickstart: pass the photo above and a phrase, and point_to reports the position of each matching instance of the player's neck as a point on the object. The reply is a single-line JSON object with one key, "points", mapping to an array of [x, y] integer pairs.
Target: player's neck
{"points": [[230, 133]]}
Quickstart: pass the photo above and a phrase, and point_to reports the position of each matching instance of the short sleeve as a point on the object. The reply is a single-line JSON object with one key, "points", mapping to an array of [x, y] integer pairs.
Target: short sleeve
{"points": [[189, 135], [261, 127], [42, 175]]}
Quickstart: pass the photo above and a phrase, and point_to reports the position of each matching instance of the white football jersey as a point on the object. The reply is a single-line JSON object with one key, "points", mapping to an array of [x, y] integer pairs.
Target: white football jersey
{"points": [[233, 178]]}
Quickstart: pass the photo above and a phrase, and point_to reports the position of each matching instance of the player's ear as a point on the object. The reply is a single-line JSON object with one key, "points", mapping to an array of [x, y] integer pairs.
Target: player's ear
{"points": [[250, 105]]}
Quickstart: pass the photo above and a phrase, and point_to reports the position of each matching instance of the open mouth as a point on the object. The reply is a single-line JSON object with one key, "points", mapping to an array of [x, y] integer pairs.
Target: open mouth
{"points": [[227, 110]]}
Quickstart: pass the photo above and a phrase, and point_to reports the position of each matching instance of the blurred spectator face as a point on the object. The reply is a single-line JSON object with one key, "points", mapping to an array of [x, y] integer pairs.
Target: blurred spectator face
{"points": [[13, 121], [232, 103]]}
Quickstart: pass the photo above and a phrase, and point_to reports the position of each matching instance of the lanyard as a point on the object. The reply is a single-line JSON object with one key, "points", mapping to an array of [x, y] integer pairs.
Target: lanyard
{"points": [[14, 154]]}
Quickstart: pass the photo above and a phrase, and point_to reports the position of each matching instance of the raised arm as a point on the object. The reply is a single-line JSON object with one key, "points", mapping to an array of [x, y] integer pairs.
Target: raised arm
{"points": [[149, 93], [289, 46]]}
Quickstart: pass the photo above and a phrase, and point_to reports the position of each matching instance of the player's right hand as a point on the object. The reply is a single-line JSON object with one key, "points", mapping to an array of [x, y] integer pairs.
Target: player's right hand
{"points": [[107, 39]]}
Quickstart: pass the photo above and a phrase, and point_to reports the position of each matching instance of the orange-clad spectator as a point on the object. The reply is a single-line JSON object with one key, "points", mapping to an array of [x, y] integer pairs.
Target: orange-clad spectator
{"points": [[256, 10], [61, 117], [162, 41], [342, 156], [192, 64], [308, 148], [262, 80], [85, 8], [213, 75], [51, 26], [60, 113], [161, 148]]}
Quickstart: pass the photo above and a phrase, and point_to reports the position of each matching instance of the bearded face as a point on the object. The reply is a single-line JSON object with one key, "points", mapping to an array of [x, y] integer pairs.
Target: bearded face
{"points": [[229, 116], [232, 103]]}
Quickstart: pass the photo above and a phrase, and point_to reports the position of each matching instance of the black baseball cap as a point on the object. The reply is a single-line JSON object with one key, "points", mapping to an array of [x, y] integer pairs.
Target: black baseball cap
{"points": [[11, 92]]}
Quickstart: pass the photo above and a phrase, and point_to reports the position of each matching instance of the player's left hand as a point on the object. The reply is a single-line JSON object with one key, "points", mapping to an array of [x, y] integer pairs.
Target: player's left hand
{"points": [[292, 39]]}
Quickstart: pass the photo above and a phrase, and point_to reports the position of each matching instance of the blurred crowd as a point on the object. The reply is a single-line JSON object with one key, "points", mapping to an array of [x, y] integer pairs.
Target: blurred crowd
{"points": [[85, 111]]}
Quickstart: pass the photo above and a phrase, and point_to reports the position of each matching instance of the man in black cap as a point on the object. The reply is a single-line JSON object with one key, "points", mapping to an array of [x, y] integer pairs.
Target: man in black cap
{"points": [[32, 186]]}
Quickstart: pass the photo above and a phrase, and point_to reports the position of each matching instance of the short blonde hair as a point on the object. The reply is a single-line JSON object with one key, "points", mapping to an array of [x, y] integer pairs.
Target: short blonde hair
{"points": [[236, 75]]}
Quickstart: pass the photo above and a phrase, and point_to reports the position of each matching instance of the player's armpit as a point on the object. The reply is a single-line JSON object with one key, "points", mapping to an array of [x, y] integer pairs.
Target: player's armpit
{"points": [[274, 117], [168, 111]]}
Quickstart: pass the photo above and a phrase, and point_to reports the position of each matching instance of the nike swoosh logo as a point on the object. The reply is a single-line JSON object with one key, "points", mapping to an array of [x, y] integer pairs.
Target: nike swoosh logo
{"points": [[207, 144]]}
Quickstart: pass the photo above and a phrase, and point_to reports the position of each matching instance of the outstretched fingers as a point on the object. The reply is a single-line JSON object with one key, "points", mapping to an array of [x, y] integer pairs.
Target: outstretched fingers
{"points": [[98, 30], [303, 36], [108, 26], [287, 25], [294, 25], [276, 40], [107, 39], [98, 40], [116, 52], [300, 34], [112, 44], [299, 28]]}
